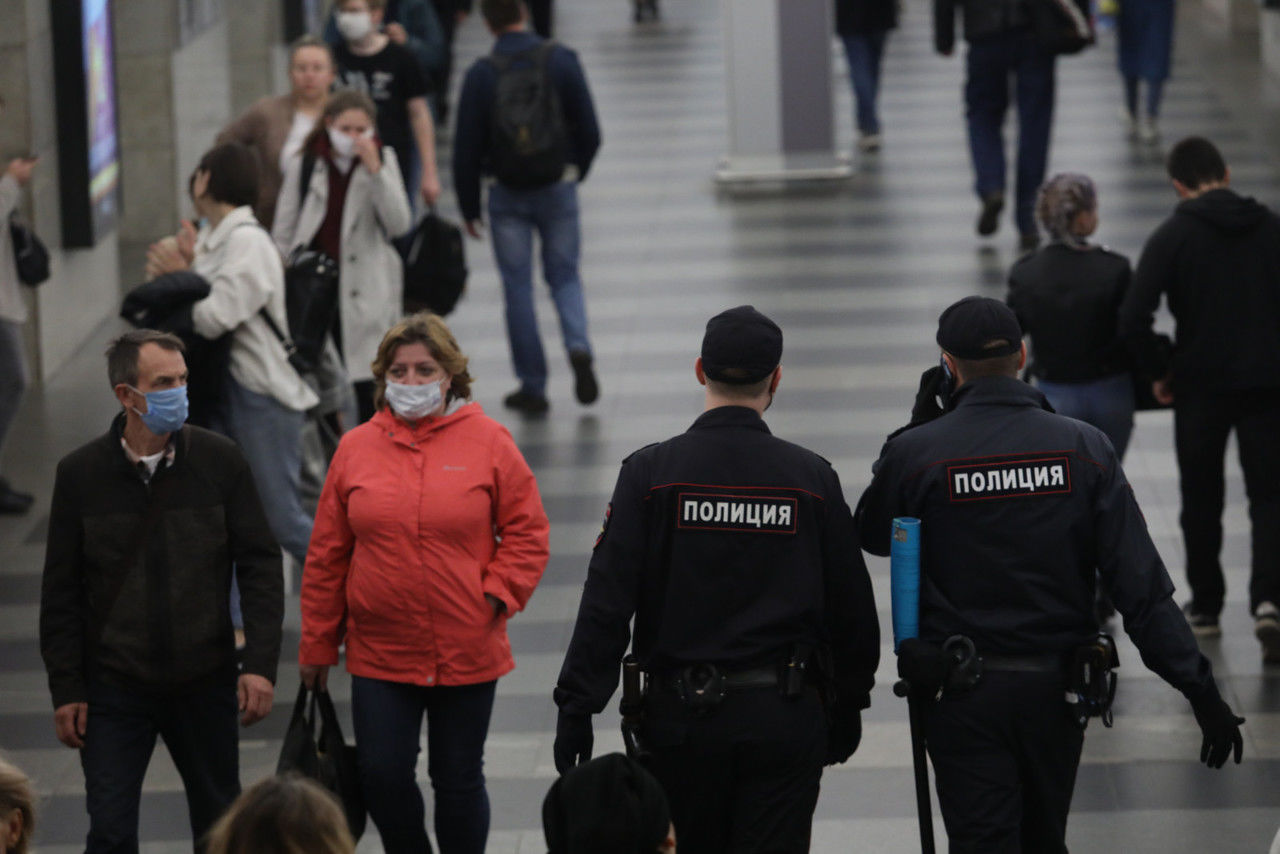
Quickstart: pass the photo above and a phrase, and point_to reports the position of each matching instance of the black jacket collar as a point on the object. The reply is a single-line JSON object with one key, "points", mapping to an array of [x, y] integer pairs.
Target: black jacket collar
{"points": [[730, 416], [998, 391]]}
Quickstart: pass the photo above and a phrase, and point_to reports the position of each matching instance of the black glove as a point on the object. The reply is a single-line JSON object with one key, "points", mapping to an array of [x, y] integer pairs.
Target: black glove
{"points": [[573, 741], [1221, 729], [933, 385], [844, 736], [923, 666]]}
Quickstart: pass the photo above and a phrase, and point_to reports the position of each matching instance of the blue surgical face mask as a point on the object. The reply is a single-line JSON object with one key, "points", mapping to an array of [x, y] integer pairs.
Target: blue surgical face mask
{"points": [[412, 402], [166, 409]]}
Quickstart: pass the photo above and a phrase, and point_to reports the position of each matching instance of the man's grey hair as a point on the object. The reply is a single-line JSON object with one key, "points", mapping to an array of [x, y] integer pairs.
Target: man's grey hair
{"points": [[122, 353]]}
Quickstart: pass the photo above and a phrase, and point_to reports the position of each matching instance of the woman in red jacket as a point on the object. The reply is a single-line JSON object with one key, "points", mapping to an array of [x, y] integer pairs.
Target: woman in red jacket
{"points": [[429, 536]]}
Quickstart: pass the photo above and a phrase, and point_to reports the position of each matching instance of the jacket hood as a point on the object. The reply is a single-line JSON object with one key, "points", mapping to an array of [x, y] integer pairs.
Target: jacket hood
{"points": [[457, 412], [1225, 210]]}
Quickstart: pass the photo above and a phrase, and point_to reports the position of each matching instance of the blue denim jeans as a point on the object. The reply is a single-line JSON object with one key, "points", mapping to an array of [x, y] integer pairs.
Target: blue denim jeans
{"points": [[514, 217], [1106, 404], [991, 62], [387, 717], [198, 725], [864, 52], [270, 435]]}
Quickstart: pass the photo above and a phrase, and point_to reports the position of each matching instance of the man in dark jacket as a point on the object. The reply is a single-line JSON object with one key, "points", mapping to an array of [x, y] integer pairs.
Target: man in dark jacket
{"points": [[863, 27], [1018, 508], [1216, 260], [147, 524], [736, 554], [1002, 45], [527, 105]]}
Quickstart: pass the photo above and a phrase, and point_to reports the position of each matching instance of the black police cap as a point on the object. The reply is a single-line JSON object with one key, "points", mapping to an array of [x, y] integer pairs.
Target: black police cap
{"points": [[967, 326], [608, 804], [741, 346]]}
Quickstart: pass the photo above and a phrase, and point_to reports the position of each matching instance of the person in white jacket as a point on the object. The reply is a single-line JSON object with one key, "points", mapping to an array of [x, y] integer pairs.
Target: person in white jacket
{"points": [[351, 208], [13, 314], [265, 400]]}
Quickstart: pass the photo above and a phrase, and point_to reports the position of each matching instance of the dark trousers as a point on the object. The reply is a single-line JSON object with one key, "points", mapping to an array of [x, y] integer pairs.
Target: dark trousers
{"points": [[992, 60], [541, 12], [744, 778], [1201, 426], [388, 720], [1005, 757], [447, 12], [198, 725]]}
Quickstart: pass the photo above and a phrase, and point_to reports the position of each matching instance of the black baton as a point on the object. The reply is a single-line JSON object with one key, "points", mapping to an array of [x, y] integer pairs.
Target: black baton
{"points": [[924, 807]]}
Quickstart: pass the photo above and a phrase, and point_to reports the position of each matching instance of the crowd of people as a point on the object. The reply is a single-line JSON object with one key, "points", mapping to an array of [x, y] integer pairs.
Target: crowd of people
{"points": [[741, 592]]}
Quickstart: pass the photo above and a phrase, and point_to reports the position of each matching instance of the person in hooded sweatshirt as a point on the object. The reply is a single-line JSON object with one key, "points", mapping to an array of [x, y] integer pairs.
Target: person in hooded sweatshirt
{"points": [[1216, 260]]}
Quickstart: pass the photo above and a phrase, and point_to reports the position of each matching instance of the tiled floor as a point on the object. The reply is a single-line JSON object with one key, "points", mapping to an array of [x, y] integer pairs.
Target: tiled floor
{"points": [[856, 276]]}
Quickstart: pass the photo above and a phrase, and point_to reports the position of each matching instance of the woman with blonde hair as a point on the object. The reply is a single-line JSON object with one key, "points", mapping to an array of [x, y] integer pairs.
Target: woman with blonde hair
{"points": [[282, 815], [17, 810], [429, 537]]}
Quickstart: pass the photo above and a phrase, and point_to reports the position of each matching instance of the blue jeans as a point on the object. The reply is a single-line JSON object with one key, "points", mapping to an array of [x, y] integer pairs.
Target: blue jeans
{"points": [[514, 216], [991, 61], [388, 720], [270, 435], [198, 725], [1106, 404], [864, 51]]}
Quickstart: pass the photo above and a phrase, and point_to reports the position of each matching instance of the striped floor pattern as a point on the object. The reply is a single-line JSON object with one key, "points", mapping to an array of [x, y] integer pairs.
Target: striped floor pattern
{"points": [[856, 275]]}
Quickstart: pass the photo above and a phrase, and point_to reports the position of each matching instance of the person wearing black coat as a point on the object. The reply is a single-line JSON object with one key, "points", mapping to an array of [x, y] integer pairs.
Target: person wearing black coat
{"points": [[1216, 260], [863, 27], [1067, 296]]}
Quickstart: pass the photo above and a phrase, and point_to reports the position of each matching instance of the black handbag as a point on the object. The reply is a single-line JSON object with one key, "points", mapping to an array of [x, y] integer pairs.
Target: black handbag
{"points": [[325, 758], [1062, 26], [435, 266], [29, 253]]}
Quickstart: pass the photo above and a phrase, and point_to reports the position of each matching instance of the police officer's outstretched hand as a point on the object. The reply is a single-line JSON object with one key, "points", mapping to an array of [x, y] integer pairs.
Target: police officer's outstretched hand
{"points": [[574, 740], [923, 666], [1221, 729], [844, 736]]}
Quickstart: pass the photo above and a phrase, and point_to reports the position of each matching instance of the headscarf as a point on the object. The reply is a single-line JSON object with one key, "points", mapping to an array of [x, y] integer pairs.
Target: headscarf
{"points": [[1061, 198]]}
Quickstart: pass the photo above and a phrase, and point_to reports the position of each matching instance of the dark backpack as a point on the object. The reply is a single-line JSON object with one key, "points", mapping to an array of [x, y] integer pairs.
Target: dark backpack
{"points": [[529, 145], [435, 266]]}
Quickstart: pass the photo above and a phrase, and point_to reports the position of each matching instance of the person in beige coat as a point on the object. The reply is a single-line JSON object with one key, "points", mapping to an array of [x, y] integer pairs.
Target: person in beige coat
{"points": [[275, 126], [352, 206]]}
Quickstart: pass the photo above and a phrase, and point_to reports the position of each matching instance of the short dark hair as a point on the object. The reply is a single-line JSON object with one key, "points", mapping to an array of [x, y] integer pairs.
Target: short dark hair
{"points": [[739, 390], [500, 14], [1195, 161], [997, 366], [122, 353], [233, 173]]}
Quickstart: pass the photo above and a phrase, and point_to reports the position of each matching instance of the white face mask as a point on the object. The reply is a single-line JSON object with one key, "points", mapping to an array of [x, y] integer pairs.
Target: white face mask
{"points": [[412, 402], [354, 26], [344, 146]]}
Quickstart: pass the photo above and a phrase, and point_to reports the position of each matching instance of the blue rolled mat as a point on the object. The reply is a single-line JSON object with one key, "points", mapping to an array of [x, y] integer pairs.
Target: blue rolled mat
{"points": [[904, 578]]}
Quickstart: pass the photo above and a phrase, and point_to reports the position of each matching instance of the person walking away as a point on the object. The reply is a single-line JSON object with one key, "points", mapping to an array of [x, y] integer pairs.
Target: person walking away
{"points": [[149, 523], [1144, 45], [1002, 48], [754, 616], [275, 126], [530, 88], [429, 537], [863, 27], [1067, 296], [1020, 511], [370, 62], [13, 314], [353, 200], [1216, 260]]}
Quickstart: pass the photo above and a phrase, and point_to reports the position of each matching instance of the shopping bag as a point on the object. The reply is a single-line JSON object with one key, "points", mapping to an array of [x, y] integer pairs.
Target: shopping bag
{"points": [[29, 254], [326, 757]]}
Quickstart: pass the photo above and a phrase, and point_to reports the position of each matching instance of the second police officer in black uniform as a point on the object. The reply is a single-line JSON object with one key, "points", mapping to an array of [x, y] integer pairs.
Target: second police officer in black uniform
{"points": [[736, 553], [1018, 506]]}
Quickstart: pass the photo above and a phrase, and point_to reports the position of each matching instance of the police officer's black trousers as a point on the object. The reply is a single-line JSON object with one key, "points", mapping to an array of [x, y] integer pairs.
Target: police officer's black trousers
{"points": [[744, 778], [1201, 426], [1005, 757]]}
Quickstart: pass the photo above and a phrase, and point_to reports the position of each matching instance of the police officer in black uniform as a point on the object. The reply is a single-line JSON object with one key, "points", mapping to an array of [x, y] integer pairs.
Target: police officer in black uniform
{"points": [[1018, 506], [754, 617]]}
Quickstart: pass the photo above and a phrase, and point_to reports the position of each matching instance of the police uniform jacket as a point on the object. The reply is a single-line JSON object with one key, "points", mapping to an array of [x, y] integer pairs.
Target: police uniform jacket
{"points": [[728, 545], [1018, 506]]}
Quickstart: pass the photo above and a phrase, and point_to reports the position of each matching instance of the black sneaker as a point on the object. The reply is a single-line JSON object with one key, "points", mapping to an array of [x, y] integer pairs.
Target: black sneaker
{"points": [[1266, 628], [989, 219], [527, 403], [1202, 625], [585, 387]]}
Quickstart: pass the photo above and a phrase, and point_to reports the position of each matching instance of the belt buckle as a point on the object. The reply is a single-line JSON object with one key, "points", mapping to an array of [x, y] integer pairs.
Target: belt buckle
{"points": [[701, 687]]}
